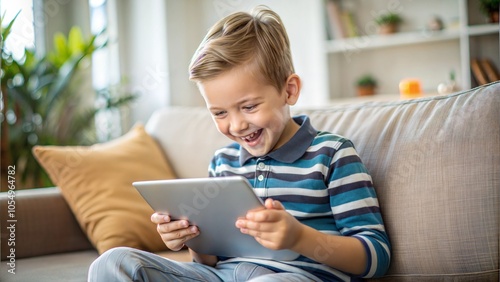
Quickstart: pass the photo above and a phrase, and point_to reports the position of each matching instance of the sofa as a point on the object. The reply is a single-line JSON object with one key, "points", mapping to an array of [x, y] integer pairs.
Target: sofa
{"points": [[435, 163]]}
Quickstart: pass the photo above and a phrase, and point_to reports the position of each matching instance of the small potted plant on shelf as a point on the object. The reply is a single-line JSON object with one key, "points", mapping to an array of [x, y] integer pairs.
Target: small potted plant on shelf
{"points": [[388, 23], [366, 85], [490, 9]]}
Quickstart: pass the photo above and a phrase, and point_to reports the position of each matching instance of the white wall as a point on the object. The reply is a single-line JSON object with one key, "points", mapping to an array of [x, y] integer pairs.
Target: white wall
{"points": [[143, 54], [185, 29]]}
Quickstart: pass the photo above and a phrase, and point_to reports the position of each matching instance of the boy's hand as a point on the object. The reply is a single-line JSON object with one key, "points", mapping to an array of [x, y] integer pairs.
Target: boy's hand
{"points": [[174, 233], [273, 227]]}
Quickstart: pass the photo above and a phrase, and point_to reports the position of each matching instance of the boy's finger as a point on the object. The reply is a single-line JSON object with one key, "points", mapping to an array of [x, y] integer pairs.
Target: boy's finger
{"points": [[167, 227], [259, 226], [278, 205], [175, 240], [273, 204], [159, 218], [269, 203]]}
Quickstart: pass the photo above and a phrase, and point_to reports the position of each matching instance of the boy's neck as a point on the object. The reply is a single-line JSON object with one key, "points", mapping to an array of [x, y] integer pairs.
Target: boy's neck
{"points": [[288, 132]]}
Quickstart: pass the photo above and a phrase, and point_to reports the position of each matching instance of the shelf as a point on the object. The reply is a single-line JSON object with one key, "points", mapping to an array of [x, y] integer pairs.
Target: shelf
{"points": [[483, 29], [413, 52], [381, 41]]}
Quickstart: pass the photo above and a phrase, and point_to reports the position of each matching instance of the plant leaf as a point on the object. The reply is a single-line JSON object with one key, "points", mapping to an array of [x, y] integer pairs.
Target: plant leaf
{"points": [[61, 52], [63, 78], [8, 28], [23, 99], [75, 41]]}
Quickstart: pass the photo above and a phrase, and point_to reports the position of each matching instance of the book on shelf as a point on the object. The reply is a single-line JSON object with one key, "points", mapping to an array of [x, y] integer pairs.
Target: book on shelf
{"points": [[484, 71], [478, 72], [350, 26], [341, 23], [489, 70], [334, 20]]}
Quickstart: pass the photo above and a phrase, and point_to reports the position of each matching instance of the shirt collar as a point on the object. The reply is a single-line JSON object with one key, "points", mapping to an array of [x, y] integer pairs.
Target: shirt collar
{"points": [[294, 148]]}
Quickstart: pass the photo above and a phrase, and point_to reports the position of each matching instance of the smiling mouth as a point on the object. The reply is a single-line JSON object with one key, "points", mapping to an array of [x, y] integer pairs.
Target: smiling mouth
{"points": [[252, 136]]}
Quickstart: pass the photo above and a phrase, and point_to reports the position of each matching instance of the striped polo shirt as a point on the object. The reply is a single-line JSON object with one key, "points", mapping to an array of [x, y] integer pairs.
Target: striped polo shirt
{"points": [[320, 180]]}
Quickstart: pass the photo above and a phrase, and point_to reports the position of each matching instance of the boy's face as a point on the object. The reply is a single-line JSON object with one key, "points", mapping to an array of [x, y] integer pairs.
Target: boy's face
{"points": [[249, 112]]}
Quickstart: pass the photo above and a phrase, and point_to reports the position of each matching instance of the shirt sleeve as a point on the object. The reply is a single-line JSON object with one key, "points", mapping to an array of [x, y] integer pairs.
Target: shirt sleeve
{"points": [[356, 209]]}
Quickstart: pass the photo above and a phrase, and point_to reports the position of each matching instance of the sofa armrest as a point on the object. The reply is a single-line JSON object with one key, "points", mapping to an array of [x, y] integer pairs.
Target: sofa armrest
{"points": [[42, 224]]}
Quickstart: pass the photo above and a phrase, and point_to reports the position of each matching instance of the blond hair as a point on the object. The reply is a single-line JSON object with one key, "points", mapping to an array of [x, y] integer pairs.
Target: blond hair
{"points": [[257, 39]]}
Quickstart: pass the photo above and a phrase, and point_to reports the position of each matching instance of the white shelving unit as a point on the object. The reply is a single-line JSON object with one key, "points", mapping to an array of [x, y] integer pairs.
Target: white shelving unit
{"points": [[483, 29], [414, 51], [399, 39]]}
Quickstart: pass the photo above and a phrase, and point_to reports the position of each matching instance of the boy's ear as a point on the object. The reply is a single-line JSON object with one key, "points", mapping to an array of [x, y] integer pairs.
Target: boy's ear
{"points": [[292, 89]]}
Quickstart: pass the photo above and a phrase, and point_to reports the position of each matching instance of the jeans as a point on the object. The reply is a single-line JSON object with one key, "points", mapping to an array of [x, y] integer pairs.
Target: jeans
{"points": [[127, 264]]}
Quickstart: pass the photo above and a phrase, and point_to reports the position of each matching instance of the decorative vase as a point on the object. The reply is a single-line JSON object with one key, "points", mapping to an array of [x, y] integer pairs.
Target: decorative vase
{"points": [[388, 28], [493, 17], [366, 90]]}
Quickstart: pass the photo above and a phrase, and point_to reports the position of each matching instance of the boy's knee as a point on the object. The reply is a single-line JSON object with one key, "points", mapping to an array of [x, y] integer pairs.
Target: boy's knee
{"points": [[116, 259], [115, 255]]}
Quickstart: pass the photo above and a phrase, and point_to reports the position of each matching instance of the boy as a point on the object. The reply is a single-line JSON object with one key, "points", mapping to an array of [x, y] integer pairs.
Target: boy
{"points": [[319, 198]]}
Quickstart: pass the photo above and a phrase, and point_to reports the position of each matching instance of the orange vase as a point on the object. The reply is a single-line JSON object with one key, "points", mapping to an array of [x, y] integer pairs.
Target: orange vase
{"points": [[409, 88]]}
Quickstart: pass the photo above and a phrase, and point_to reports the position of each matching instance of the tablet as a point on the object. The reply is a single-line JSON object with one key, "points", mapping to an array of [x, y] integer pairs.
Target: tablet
{"points": [[213, 204]]}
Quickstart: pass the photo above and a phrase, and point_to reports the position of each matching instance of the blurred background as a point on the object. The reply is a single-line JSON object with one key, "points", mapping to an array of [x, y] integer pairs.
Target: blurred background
{"points": [[77, 72]]}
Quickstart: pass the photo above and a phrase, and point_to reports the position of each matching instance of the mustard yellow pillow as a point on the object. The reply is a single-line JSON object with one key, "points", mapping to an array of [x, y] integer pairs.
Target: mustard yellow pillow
{"points": [[96, 181]]}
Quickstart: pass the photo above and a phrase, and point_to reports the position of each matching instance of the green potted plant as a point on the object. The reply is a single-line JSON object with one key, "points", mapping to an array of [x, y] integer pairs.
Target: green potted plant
{"points": [[491, 9], [45, 102], [366, 85], [388, 23]]}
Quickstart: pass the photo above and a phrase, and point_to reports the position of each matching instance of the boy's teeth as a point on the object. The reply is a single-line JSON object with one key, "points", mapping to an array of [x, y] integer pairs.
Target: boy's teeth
{"points": [[248, 137]]}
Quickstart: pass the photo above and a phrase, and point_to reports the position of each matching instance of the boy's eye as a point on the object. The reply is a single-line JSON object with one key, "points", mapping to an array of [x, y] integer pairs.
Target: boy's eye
{"points": [[218, 114], [249, 108]]}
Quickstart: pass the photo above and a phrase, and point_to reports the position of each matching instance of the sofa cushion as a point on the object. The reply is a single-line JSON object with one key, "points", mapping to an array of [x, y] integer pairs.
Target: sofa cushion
{"points": [[192, 150], [435, 164], [96, 181], [32, 235], [67, 267]]}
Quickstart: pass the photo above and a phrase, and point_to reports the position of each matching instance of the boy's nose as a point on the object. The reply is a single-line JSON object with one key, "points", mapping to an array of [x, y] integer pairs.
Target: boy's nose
{"points": [[238, 124]]}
